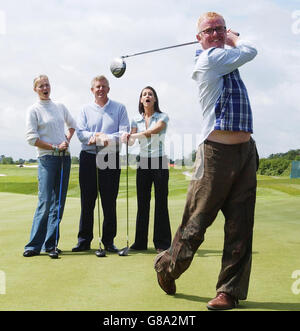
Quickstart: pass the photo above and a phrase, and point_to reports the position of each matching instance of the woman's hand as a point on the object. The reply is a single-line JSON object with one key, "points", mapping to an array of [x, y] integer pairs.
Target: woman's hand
{"points": [[63, 146], [125, 137]]}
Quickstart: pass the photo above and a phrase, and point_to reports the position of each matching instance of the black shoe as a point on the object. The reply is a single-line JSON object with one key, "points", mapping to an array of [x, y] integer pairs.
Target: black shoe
{"points": [[81, 248], [111, 248], [30, 253], [59, 251], [137, 248]]}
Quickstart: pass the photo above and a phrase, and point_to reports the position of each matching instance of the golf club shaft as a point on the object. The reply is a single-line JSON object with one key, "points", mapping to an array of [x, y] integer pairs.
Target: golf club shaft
{"points": [[98, 203], [127, 211], [160, 49], [59, 198]]}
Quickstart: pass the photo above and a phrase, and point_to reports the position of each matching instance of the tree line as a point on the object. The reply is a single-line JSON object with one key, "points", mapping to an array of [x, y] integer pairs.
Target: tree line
{"points": [[275, 165], [9, 160], [278, 164]]}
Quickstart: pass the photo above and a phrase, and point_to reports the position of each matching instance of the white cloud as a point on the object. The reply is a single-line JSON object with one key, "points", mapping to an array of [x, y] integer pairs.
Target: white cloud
{"points": [[2, 22], [72, 41]]}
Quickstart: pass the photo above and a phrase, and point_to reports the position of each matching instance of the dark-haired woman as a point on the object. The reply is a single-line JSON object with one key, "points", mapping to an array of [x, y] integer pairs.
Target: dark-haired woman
{"points": [[150, 127]]}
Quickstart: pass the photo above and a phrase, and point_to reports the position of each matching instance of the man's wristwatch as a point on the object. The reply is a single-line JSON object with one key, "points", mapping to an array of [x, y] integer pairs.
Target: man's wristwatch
{"points": [[55, 148]]}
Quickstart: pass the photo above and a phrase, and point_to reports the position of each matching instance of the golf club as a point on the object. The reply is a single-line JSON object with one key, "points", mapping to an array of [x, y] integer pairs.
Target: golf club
{"points": [[54, 253], [124, 251], [118, 65], [100, 252]]}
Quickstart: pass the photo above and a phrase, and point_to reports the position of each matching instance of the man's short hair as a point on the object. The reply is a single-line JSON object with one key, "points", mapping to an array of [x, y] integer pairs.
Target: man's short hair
{"points": [[99, 78], [209, 15]]}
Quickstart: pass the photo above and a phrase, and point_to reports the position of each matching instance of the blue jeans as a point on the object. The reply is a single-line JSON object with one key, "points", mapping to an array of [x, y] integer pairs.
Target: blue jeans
{"points": [[43, 231]]}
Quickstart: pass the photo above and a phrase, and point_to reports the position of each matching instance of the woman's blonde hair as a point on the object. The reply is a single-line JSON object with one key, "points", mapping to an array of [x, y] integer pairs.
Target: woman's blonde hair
{"points": [[38, 78]]}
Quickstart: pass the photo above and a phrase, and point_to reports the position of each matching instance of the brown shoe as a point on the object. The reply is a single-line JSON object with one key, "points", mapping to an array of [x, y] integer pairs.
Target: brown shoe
{"points": [[168, 285], [222, 301]]}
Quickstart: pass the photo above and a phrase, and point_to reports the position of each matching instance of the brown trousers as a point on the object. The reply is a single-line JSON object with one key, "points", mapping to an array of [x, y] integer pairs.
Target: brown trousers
{"points": [[224, 179]]}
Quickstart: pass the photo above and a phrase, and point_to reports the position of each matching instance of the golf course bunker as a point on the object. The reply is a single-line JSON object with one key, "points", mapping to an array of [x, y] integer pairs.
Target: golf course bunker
{"points": [[2, 175]]}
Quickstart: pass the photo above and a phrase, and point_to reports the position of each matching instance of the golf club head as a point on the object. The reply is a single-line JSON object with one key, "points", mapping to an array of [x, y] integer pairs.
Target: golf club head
{"points": [[100, 252], [54, 254], [118, 67], [124, 251]]}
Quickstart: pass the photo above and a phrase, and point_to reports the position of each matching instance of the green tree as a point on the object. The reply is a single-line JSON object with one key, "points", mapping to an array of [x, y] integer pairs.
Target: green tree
{"points": [[7, 160], [75, 160]]}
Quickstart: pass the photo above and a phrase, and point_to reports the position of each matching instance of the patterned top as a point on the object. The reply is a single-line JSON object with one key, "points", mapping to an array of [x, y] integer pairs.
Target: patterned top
{"points": [[223, 97], [233, 110]]}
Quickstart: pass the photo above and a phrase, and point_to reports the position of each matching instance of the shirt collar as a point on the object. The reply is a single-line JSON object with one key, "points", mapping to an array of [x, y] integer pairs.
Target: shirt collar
{"points": [[141, 117], [107, 103]]}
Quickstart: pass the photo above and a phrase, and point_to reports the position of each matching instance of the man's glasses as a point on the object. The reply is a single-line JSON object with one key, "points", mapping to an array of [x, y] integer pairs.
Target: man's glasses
{"points": [[210, 31]]}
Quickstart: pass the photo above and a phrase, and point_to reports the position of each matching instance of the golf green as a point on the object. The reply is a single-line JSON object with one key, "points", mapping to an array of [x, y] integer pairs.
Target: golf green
{"points": [[81, 281]]}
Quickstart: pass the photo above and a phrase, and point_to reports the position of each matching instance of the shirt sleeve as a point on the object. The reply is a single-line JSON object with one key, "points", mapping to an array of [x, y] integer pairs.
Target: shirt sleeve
{"points": [[69, 120], [225, 60], [31, 127], [133, 124], [124, 121], [164, 117], [123, 125], [82, 130]]}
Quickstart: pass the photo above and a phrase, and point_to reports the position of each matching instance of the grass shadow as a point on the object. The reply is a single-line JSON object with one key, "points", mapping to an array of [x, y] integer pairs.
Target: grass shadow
{"points": [[246, 305], [212, 252], [209, 252], [70, 253], [150, 251], [189, 297], [282, 306]]}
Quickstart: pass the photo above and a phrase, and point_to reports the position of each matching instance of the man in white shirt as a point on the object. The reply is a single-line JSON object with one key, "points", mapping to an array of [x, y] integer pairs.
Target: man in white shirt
{"points": [[225, 168]]}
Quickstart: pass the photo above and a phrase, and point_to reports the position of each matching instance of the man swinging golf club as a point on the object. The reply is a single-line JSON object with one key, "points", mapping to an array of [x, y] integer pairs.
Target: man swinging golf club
{"points": [[225, 168]]}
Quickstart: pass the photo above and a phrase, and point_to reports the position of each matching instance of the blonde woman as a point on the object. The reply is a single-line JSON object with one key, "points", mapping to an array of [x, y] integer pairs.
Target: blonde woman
{"points": [[45, 129]]}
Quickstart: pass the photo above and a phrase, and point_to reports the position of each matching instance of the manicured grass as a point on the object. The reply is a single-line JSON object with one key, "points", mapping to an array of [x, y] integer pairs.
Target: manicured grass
{"points": [[24, 181], [81, 281]]}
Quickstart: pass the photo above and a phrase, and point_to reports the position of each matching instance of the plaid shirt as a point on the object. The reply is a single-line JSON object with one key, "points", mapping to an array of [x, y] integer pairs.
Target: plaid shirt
{"points": [[223, 97], [233, 110]]}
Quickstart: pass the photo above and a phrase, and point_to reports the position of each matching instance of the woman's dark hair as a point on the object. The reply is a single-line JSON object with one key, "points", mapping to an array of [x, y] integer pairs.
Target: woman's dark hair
{"points": [[156, 103]]}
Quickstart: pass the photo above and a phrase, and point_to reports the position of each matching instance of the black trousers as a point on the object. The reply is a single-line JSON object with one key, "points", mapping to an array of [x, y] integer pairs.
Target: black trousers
{"points": [[145, 177], [108, 187]]}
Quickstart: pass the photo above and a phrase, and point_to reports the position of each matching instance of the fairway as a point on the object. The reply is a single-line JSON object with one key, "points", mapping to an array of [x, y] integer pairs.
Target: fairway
{"points": [[81, 281]]}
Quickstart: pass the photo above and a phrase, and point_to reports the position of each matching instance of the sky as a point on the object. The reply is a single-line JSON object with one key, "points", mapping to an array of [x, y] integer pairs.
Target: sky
{"points": [[73, 41]]}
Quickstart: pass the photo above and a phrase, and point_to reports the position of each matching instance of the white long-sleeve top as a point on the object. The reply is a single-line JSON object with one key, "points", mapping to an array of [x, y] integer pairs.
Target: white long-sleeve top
{"points": [[46, 121]]}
